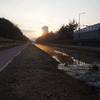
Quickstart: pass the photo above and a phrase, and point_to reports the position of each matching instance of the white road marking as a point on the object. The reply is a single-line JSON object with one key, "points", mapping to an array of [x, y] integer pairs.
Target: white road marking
{"points": [[6, 56]]}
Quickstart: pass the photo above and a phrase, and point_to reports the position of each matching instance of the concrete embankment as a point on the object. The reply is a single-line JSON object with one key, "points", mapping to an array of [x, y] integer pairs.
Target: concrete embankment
{"points": [[33, 75]]}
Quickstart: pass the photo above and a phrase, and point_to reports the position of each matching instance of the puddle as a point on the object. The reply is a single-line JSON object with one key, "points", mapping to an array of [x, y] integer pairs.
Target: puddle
{"points": [[73, 67]]}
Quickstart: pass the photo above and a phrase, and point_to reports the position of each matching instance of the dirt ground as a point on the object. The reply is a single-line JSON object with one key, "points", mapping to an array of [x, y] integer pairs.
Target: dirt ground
{"points": [[33, 75]]}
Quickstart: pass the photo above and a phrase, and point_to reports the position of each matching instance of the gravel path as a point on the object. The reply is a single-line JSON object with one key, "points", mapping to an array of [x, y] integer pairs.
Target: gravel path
{"points": [[33, 75]]}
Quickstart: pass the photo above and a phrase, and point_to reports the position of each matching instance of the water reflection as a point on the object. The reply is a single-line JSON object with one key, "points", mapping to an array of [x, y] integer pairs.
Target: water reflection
{"points": [[74, 67], [57, 55], [61, 57]]}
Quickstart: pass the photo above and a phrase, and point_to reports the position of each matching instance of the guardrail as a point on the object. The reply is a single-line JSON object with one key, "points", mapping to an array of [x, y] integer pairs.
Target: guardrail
{"points": [[94, 49]]}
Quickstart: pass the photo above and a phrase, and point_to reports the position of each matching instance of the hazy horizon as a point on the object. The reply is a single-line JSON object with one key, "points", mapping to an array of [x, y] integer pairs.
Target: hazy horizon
{"points": [[33, 14]]}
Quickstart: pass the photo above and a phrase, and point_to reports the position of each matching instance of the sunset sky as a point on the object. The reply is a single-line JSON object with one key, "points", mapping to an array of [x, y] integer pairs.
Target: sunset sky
{"points": [[31, 15]]}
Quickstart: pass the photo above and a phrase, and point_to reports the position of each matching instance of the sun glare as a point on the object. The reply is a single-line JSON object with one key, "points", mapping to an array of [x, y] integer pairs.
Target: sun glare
{"points": [[38, 33]]}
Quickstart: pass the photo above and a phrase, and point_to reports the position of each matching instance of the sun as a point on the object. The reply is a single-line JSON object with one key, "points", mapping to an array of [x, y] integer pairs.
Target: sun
{"points": [[33, 34], [38, 33]]}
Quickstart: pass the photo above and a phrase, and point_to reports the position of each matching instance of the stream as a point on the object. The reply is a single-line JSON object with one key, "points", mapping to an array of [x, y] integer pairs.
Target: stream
{"points": [[75, 64]]}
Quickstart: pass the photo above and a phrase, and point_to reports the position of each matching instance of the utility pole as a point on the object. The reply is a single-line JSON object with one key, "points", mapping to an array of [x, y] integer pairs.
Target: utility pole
{"points": [[80, 19]]}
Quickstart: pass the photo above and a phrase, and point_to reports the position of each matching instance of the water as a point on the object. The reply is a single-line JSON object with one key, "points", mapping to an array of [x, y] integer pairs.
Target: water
{"points": [[73, 66]]}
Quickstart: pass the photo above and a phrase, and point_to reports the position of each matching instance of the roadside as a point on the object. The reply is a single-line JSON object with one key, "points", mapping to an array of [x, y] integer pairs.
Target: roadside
{"points": [[34, 75]]}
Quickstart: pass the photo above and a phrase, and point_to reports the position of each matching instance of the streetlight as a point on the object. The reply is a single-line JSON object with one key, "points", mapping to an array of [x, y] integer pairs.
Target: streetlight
{"points": [[80, 18]]}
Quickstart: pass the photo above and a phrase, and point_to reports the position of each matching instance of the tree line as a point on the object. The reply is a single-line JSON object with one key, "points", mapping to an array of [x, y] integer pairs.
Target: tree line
{"points": [[64, 34]]}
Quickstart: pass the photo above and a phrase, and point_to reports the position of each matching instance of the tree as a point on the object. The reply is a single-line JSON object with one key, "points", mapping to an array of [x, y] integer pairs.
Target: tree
{"points": [[46, 37], [66, 31]]}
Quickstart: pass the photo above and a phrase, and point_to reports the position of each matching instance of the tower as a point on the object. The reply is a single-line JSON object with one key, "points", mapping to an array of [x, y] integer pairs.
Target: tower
{"points": [[45, 29]]}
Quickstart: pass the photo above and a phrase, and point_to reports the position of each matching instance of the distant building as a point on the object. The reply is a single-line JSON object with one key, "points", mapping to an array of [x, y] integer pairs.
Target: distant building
{"points": [[89, 28], [88, 36], [45, 29]]}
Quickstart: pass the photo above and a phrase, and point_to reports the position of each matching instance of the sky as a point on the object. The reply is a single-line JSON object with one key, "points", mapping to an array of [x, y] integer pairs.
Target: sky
{"points": [[31, 15]]}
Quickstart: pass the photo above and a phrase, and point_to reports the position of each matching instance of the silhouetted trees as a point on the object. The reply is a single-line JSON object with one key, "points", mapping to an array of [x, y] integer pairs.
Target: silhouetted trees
{"points": [[46, 37], [9, 30], [65, 33]]}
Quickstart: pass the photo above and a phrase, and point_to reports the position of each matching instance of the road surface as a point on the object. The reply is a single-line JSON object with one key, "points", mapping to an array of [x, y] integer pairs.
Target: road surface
{"points": [[6, 56]]}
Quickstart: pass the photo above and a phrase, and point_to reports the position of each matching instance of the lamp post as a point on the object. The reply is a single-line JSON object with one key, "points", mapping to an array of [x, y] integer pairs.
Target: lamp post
{"points": [[80, 19]]}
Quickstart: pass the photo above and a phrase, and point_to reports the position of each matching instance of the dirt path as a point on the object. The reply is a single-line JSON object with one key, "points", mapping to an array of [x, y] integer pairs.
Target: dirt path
{"points": [[33, 76]]}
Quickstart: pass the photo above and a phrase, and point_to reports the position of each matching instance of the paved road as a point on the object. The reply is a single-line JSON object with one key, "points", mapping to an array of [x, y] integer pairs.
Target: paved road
{"points": [[6, 56]]}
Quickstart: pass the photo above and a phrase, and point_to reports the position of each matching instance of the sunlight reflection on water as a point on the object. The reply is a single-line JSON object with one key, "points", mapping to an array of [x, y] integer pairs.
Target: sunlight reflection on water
{"points": [[67, 63], [73, 67]]}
